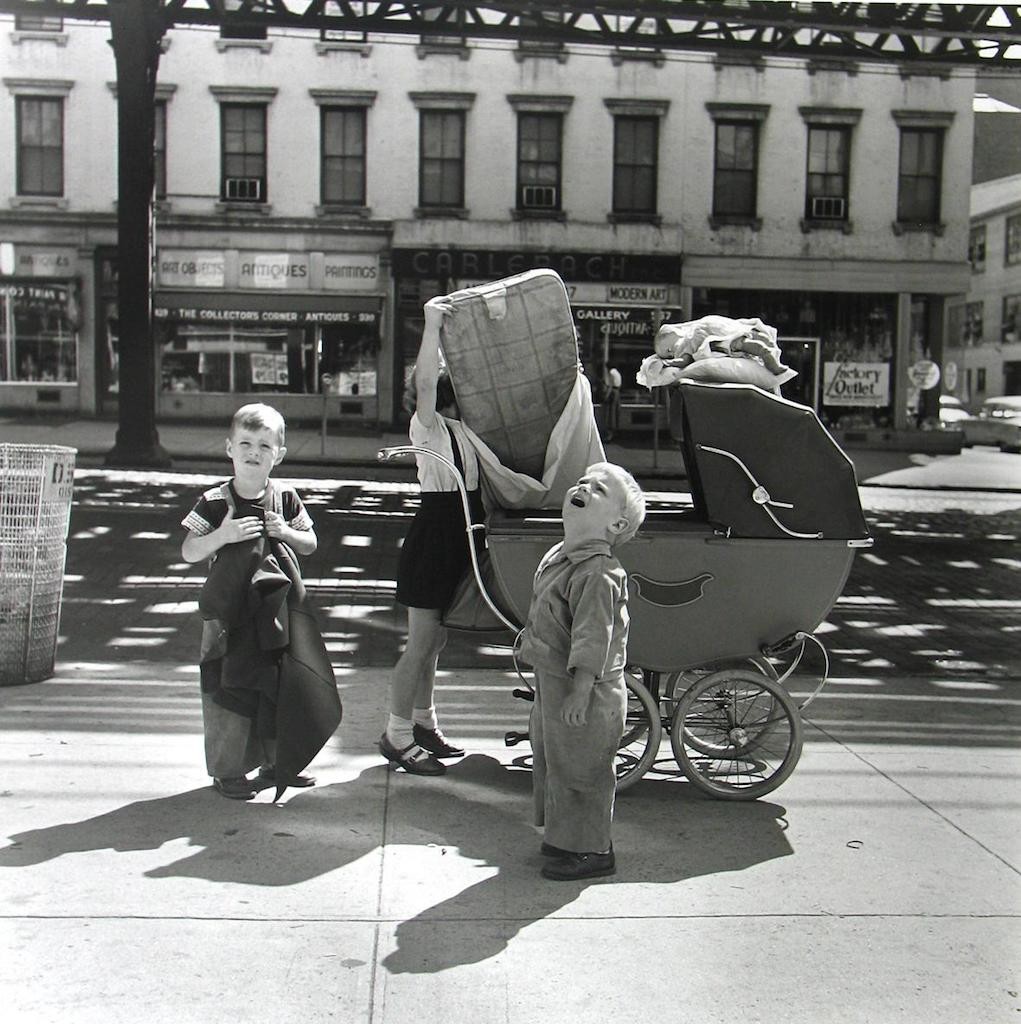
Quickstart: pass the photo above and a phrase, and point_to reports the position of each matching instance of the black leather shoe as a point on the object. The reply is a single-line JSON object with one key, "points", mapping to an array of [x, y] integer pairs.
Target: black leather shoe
{"points": [[412, 758], [576, 866], [435, 742], [549, 850], [235, 788], [269, 775]]}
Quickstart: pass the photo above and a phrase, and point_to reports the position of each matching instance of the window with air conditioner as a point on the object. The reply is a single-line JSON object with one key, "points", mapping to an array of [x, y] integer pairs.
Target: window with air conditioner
{"points": [[827, 173], [539, 161], [243, 152]]}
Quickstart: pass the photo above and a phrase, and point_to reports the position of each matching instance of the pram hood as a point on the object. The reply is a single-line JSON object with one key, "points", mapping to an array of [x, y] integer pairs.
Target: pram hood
{"points": [[762, 466]]}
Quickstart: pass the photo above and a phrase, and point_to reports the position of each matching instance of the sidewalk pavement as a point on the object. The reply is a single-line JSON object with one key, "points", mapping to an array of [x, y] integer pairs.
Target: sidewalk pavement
{"points": [[878, 885], [195, 445]]}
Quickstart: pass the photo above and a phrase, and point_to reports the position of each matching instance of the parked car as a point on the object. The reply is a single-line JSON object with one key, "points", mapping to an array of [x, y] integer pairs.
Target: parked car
{"points": [[998, 422], [951, 412]]}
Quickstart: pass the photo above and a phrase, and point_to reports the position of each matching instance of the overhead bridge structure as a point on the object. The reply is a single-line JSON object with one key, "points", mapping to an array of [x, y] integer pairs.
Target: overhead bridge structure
{"points": [[983, 37]]}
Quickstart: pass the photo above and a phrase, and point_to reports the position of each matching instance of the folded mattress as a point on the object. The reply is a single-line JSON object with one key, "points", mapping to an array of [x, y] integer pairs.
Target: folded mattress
{"points": [[512, 353]]}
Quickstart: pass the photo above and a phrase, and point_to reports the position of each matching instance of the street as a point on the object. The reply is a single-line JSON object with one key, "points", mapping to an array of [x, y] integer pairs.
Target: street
{"points": [[879, 883]]}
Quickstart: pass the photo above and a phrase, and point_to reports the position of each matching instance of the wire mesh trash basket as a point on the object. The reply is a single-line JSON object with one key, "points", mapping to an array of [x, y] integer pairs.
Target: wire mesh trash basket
{"points": [[36, 485]]}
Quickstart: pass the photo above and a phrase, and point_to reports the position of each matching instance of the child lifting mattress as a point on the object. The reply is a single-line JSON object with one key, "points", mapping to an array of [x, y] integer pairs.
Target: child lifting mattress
{"points": [[512, 353]]}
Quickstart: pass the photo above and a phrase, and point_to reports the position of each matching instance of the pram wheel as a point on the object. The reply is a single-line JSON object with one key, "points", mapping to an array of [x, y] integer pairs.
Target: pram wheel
{"points": [[643, 732], [736, 734], [676, 684]]}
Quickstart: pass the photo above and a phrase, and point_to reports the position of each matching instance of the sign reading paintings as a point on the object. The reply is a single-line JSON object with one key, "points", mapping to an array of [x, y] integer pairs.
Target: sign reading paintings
{"points": [[862, 384]]}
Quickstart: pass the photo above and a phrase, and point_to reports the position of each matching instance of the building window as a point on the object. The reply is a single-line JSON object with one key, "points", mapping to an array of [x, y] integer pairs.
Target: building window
{"points": [[441, 158], [1010, 327], [38, 23], [40, 128], [973, 326], [539, 161], [1012, 242], [826, 194], [980, 380], [977, 248], [243, 152], [39, 324], [160, 149], [635, 164], [343, 156], [920, 175], [736, 169]]}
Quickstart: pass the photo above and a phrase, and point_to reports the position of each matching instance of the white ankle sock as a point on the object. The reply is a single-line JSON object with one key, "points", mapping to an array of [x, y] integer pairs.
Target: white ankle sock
{"points": [[399, 731], [425, 717]]}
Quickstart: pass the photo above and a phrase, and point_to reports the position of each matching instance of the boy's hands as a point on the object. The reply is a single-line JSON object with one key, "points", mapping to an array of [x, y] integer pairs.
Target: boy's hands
{"points": [[275, 525], [233, 531]]}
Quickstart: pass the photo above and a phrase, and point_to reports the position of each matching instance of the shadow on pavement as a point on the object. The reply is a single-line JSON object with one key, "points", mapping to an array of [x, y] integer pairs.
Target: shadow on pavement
{"points": [[480, 808]]}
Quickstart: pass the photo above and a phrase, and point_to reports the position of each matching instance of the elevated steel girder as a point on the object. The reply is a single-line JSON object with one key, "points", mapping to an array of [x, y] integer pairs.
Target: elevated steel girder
{"points": [[953, 34]]}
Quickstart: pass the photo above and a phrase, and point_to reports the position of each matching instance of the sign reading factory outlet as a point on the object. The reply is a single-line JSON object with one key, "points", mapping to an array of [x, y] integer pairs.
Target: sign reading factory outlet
{"points": [[866, 384]]}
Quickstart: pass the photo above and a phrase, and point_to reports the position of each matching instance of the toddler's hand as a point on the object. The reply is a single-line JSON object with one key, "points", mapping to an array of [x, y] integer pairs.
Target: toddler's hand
{"points": [[575, 707], [237, 530]]}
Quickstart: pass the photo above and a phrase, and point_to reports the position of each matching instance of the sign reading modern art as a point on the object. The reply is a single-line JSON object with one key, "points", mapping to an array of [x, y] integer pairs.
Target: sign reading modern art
{"points": [[865, 384]]}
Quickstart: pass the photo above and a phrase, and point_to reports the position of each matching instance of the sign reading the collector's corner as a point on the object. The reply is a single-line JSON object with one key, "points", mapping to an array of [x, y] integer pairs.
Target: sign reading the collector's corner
{"points": [[856, 384]]}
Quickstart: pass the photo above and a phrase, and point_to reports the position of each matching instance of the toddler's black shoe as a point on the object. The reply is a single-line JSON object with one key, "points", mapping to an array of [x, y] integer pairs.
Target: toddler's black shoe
{"points": [[549, 850], [412, 758], [238, 788], [435, 742], [268, 774], [576, 866]]}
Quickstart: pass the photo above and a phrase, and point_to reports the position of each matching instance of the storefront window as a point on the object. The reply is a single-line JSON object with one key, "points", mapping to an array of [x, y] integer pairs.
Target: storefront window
{"points": [[856, 344], [350, 356], [232, 357], [39, 330]]}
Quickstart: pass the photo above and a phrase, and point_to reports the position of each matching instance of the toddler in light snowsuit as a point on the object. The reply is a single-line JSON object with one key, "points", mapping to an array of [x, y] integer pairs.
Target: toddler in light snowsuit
{"points": [[576, 640]]}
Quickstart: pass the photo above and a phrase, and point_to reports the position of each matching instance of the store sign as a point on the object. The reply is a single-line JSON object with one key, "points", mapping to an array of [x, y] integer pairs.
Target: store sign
{"points": [[864, 384], [190, 268], [924, 374], [350, 272], [625, 321], [276, 270], [293, 317], [492, 264], [44, 262]]}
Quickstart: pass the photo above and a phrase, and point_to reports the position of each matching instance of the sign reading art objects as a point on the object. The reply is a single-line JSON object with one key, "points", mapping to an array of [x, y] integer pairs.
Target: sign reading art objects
{"points": [[864, 384]]}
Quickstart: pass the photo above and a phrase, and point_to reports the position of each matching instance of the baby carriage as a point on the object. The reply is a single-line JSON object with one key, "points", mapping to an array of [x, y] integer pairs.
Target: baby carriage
{"points": [[724, 592]]}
